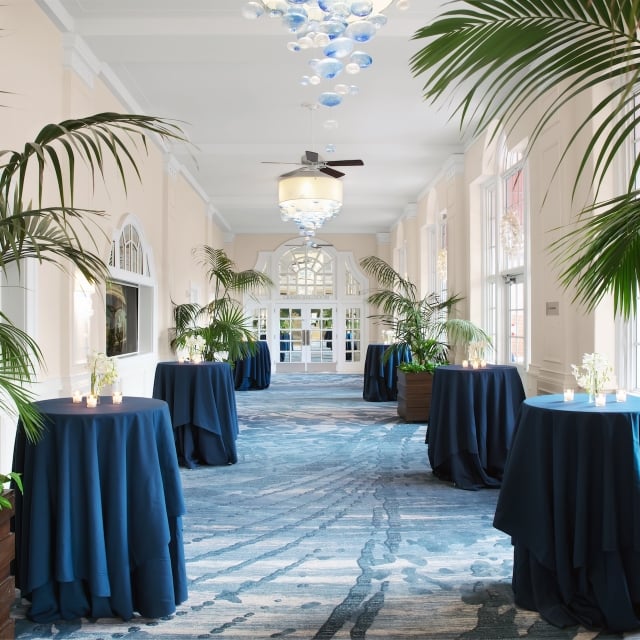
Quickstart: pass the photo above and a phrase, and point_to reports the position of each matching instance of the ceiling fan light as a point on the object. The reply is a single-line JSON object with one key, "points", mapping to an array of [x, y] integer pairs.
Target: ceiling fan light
{"points": [[309, 197]]}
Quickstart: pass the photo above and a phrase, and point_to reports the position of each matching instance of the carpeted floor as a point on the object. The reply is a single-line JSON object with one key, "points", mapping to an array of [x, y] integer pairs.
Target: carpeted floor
{"points": [[331, 526]]}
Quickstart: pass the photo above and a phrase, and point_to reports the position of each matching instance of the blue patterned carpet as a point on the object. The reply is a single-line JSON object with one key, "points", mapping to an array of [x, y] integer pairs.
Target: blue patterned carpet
{"points": [[331, 526]]}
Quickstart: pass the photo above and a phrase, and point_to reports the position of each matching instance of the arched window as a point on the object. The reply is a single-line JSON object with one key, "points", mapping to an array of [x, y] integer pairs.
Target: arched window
{"points": [[505, 220], [129, 295], [307, 272]]}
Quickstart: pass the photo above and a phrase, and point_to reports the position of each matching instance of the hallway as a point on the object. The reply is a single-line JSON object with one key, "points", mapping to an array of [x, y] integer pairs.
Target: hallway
{"points": [[332, 526]]}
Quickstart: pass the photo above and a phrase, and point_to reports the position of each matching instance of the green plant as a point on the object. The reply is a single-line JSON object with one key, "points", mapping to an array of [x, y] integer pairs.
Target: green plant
{"points": [[424, 324], [504, 57], [4, 479], [54, 234], [222, 322]]}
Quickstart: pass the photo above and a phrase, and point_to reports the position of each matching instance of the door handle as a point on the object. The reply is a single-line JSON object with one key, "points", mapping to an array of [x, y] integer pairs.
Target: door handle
{"points": [[306, 337]]}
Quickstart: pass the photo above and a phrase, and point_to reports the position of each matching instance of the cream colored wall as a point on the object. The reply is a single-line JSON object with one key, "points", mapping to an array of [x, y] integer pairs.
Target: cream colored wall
{"points": [[169, 212], [556, 341], [244, 248]]}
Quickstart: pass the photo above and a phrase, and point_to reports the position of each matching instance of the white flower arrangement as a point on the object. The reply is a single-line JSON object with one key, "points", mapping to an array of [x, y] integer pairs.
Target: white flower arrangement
{"points": [[194, 345], [594, 375], [104, 370]]}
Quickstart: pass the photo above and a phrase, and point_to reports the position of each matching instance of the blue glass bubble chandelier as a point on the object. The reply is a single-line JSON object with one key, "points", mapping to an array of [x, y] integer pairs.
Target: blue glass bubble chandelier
{"points": [[335, 31]]}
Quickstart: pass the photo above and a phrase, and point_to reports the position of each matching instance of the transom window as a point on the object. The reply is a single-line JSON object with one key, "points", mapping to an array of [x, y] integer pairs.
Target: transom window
{"points": [[307, 272], [127, 253]]}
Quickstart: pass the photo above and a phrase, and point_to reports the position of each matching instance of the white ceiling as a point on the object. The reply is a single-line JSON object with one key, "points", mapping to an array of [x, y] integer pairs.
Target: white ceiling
{"points": [[236, 88]]}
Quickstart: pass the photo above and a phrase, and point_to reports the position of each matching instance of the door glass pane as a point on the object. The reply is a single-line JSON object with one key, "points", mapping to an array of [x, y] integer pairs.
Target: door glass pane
{"points": [[352, 335], [321, 327], [516, 321], [291, 335]]}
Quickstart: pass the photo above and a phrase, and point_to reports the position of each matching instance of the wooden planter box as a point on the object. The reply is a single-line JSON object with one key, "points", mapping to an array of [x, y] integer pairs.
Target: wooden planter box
{"points": [[7, 581], [414, 396]]}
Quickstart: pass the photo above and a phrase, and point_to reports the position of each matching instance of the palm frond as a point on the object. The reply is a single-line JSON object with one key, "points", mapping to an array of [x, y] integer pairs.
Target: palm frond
{"points": [[498, 59], [387, 276], [599, 256], [51, 235], [19, 354], [92, 139], [487, 49], [221, 271]]}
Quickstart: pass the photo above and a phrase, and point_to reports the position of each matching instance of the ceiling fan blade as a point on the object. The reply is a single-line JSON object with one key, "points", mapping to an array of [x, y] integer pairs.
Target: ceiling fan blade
{"points": [[311, 156], [345, 163], [331, 172]]}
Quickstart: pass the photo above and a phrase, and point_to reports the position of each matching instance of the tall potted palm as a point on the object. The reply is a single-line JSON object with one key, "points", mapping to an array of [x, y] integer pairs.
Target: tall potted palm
{"points": [[422, 324], [222, 325], [502, 57], [52, 234]]}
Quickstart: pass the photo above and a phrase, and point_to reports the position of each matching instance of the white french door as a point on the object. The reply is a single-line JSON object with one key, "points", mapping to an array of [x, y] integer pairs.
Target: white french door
{"points": [[305, 333]]}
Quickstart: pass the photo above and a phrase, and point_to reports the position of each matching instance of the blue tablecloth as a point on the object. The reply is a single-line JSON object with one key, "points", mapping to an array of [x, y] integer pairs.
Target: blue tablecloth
{"points": [[570, 500], [380, 382], [471, 423], [254, 372], [202, 403], [99, 527]]}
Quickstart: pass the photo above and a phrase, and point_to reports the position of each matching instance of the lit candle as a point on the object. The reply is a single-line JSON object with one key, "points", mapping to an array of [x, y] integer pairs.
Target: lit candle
{"points": [[601, 399], [475, 364], [483, 363], [621, 395], [465, 363], [117, 397], [180, 359], [568, 395], [92, 401], [77, 397]]}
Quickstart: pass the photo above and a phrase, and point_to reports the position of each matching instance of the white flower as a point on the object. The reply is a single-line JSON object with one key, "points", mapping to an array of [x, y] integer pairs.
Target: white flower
{"points": [[594, 374], [194, 344], [104, 370]]}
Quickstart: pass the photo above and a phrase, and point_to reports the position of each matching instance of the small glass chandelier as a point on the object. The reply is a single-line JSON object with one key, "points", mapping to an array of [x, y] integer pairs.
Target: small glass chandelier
{"points": [[336, 29], [309, 198]]}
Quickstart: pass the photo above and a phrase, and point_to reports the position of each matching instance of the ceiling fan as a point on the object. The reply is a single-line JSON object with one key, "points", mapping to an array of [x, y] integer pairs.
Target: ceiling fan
{"points": [[312, 160], [309, 242]]}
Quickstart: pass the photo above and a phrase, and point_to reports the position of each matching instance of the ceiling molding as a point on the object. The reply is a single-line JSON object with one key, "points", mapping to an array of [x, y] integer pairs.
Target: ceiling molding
{"points": [[78, 57]]}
